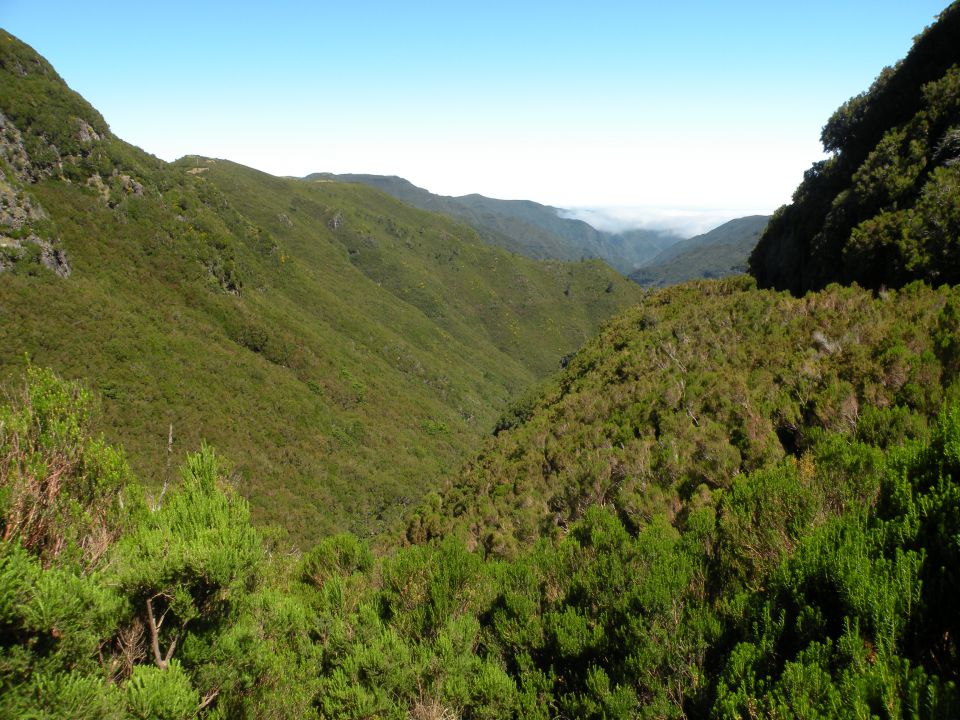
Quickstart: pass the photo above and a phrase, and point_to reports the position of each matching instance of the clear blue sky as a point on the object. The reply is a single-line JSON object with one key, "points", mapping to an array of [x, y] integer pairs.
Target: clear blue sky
{"points": [[669, 106]]}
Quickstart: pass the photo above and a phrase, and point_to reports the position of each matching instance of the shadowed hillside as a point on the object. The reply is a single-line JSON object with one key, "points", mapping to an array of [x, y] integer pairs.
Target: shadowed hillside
{"points": [[884, 208], [718, 253]]}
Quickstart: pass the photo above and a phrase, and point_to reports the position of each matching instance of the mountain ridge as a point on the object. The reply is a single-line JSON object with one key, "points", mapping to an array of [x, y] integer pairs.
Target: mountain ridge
{"points": [[525, 226], [720, 252]]}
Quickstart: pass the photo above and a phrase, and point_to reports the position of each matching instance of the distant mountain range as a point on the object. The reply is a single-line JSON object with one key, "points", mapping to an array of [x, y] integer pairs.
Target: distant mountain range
{"points": [[653, 258], [720, 252], [525, 227]]}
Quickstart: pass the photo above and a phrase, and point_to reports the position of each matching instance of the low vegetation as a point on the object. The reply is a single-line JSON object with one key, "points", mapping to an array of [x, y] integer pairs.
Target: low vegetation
{"points": [[343, 349], [694, 387], [812, 585]]}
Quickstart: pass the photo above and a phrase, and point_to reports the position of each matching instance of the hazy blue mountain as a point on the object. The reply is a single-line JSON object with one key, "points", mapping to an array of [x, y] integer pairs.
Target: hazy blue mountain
{"points": [[525, 227], [720, 252]]}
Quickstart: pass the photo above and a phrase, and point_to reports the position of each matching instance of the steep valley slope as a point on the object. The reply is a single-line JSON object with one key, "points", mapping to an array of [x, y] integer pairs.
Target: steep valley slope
{"points": [[734, 501], [717, 253], [693, 388], [340, 347]]}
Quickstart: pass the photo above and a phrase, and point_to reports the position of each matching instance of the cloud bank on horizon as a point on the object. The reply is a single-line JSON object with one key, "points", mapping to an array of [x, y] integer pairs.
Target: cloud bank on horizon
{"points": [[686, 222], [601, 105]]}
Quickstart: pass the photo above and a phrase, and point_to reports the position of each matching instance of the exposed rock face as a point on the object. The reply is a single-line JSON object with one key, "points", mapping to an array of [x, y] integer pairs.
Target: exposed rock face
{"points": [[131, 186], [17, 209], [26, 235], [21, 216], [14, 251], [86, 133], [96, 182], [54, 258], [13, 153], [33, 249]]}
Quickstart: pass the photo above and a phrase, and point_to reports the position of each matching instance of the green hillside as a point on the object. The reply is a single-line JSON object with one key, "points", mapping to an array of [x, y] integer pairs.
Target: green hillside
{"points": [[884, 208], [771, 564], [718, 253], [732, 502], [525, 227], [690, 389], [343, 349]]}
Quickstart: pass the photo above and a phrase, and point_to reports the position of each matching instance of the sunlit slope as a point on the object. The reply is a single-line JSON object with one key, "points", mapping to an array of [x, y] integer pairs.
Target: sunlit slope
{"points": [[694, 386], [535, 312], [523, 226], [235, 307]]}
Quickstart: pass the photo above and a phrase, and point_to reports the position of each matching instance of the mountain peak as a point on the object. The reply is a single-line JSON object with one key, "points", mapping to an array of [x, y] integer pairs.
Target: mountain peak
{"points": [[59, 127]]}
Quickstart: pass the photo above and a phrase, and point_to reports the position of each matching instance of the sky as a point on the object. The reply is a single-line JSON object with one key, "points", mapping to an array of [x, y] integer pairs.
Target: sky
{"points": [[673, 113]]}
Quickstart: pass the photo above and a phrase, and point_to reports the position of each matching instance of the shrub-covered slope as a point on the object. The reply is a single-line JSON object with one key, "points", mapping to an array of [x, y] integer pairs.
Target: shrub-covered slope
{"points": [[818, 587], [343, 349], [732, 503], [694, 386], [884, 209]]}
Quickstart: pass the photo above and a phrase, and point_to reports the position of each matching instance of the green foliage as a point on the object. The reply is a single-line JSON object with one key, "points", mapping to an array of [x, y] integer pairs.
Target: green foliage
{"points": [[381, 346], [853, 621], [51, 624], [815, 585], [179, 609], [695, 386], [42, 444], [882, 211], [189, 559], [161, 694]]}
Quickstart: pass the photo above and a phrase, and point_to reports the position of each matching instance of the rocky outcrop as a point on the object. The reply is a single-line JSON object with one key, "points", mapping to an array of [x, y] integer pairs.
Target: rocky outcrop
{"points": [[17, 209], [87, 134], [13, 153], [33, 250], [22, 219]]}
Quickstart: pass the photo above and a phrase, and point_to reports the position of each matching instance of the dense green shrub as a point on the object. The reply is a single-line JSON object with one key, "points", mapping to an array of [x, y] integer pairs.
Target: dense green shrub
{"points": [[882, 210], [817, 585]]}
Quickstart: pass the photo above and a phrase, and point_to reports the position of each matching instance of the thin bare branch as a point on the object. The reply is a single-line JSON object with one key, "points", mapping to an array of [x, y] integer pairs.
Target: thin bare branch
{"points": [[208, 698], [162, 660], [166, 475]]}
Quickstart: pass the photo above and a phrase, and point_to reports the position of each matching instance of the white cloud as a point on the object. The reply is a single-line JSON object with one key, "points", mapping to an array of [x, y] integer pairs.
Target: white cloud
{"points": [[683, 221]]}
